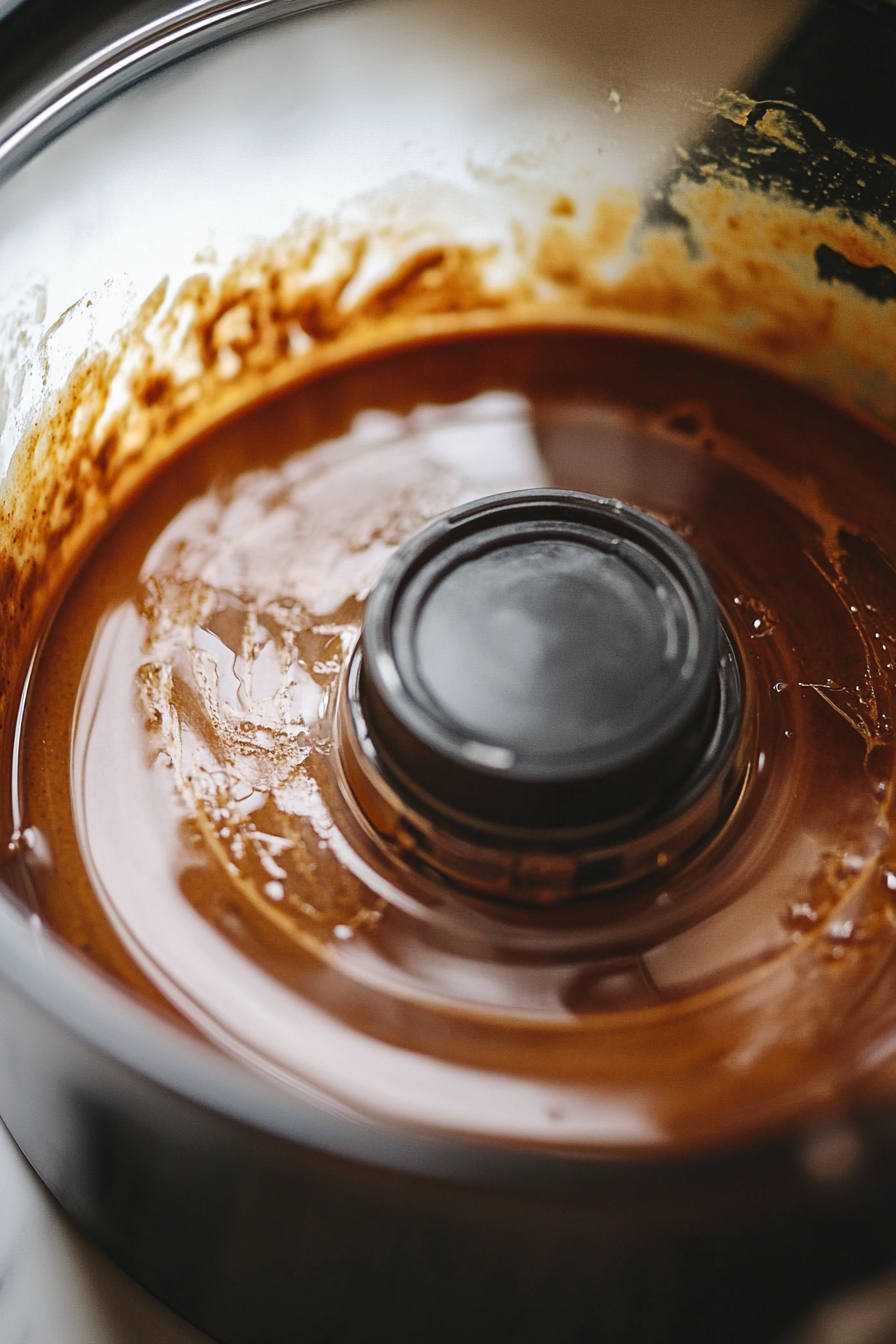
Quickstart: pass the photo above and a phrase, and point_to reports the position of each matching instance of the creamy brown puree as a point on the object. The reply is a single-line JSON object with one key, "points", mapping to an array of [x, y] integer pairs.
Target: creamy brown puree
{"points": [[176, 773]]}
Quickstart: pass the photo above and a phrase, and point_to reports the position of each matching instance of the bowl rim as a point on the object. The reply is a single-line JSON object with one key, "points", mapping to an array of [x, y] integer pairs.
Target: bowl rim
{"points": [[90, 1007], [120, 63]]}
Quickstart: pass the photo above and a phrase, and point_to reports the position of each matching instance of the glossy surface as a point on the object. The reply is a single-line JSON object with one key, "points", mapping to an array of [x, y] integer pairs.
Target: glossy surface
{"points": [[188, 836]]}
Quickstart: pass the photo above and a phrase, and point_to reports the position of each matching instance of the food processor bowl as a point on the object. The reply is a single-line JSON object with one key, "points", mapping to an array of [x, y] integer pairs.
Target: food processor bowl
{"points": [[205, 207]]}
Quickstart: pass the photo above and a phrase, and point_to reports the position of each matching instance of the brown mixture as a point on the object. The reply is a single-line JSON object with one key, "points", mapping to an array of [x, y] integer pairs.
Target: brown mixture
{"points": [[174, 785]]}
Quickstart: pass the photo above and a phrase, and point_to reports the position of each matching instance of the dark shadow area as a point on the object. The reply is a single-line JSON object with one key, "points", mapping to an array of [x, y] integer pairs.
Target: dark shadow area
{"points": [[876, 282]]}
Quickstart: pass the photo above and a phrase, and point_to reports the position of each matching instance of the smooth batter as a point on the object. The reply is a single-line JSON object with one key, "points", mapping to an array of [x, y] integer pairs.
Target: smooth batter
{"points": [[176, 777]]}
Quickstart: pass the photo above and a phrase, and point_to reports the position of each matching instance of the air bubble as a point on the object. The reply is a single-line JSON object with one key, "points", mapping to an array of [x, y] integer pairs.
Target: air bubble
{"points": [[763, 620], [803, 913], [780, 686], [32, 844]]}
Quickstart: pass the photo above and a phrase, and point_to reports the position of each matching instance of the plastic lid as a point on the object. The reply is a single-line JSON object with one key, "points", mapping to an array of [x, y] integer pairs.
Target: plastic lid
{"points": [[542, 658]]}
